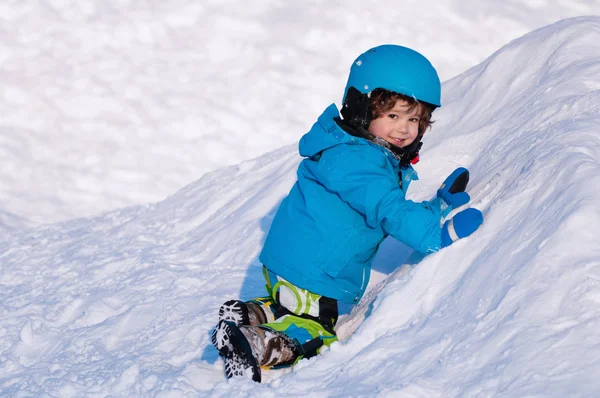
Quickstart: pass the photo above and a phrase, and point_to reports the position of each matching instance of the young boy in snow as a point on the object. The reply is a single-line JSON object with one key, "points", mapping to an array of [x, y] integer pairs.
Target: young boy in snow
{"points": [[350, 195]]}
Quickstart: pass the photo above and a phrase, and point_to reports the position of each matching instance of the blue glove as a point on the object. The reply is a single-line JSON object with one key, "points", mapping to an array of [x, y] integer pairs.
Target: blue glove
{"points": [[461, 225], [452, 191]]}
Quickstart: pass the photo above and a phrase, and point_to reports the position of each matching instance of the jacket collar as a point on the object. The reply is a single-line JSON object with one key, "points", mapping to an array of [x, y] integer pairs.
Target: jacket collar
{"points": [[404, 156]]}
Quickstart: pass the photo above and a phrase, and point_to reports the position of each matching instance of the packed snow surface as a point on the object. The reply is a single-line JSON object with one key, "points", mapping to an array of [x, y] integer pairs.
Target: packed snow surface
{"points": [[123, 304], [109, 103]]}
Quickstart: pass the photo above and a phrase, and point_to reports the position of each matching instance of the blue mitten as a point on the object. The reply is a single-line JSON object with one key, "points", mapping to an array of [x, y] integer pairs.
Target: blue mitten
{"points": [[452, 191], [461, 225]]}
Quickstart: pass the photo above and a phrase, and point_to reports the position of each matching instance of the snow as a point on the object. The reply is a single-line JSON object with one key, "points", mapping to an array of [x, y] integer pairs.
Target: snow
{"points": [[106, 104], [123, 303]]}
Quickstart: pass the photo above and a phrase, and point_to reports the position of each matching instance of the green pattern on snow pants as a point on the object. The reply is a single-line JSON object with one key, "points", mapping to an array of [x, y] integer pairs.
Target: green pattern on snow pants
{"points": [[306, 317]]}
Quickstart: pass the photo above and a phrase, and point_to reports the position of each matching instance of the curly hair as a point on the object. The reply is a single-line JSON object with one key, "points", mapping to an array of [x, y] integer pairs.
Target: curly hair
{"points": [[384, 100]]}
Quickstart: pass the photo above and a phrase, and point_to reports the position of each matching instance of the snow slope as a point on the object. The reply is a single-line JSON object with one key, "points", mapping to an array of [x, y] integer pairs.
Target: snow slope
{"points": [[123, 304], [108, 103]]}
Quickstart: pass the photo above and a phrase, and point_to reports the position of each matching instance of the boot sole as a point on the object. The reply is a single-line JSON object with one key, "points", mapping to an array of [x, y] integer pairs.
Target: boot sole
{"points": [[231, 343], [235, 311]]}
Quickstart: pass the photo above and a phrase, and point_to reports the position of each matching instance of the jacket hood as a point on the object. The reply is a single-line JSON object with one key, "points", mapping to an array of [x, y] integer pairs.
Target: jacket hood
{"points": [[324, 134], [330, 130]]}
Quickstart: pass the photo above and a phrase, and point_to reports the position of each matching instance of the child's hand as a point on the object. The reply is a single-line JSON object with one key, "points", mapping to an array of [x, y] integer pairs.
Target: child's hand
{"points": [[452, 190], [461, 225]]}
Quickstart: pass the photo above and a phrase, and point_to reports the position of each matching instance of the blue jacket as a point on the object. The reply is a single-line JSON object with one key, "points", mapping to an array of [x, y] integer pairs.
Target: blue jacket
{"points": [[347, 199]]}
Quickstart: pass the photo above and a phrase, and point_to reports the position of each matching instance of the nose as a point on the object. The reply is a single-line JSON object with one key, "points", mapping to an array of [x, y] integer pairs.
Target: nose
{"points": [[402, 126]]}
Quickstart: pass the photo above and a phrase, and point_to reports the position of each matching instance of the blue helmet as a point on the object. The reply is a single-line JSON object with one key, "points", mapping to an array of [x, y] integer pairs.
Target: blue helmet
{"points": [[398, 69]]}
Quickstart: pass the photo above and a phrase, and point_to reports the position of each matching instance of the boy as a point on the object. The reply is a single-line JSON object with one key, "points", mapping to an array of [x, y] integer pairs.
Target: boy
{"points": [[350, 195]]}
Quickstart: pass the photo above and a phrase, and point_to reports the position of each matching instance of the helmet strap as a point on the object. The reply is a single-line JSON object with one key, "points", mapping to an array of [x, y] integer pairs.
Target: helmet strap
{"points": [[412, 151]]}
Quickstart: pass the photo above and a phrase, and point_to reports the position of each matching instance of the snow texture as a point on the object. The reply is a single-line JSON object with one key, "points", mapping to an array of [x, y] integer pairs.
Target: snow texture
{"points": [[109, 103], [123, 303]]}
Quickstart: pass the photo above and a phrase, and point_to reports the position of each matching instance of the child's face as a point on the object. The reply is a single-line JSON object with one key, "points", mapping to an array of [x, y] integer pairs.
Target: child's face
{"points": [[397, 126]]}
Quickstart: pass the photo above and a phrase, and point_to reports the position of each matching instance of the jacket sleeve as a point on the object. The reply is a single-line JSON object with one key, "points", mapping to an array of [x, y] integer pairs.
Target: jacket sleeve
{"points": [[365, 179]]}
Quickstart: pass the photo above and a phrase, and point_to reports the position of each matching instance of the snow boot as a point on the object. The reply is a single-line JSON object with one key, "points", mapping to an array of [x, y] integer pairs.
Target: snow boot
{"points": [[235, 311], [243, 313], [272, 348], [246, 348], [234, 347]]}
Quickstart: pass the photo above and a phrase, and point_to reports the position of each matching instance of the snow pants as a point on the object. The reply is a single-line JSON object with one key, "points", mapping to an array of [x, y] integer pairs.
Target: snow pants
{"points": [[308, 319]]}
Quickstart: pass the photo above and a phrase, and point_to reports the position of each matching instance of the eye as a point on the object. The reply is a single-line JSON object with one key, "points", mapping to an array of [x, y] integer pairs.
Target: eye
{"points": [[393, 116], [414, 120]]}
